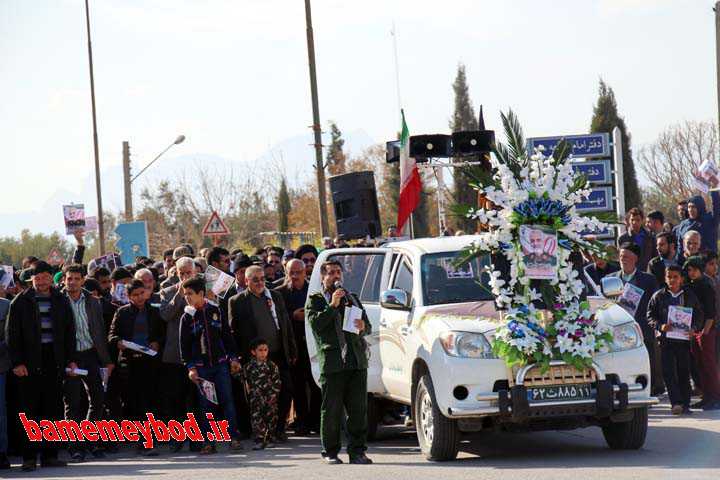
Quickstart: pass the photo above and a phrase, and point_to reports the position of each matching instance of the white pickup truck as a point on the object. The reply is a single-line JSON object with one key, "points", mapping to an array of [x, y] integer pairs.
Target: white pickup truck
{"points": [[432, 326]]}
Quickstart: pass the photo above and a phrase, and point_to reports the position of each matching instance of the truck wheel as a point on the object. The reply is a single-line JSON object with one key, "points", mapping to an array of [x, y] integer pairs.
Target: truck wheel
{"points": [[628, 435], [374, 415], [438, 435]]}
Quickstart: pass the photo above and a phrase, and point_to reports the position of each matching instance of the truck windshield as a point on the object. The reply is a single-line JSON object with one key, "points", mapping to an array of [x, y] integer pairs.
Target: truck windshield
{"points": [[442, 282]]}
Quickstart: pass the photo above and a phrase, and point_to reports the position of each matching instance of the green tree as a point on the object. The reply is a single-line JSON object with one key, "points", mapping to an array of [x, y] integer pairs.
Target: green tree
{"points": [[463, 119], [605, 119], [283, 207], [13, 250], [336, 158]]}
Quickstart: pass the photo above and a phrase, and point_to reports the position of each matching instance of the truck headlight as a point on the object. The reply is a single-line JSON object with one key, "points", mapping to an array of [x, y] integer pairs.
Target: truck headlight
{"points": [[466, 345], [626, 337]]}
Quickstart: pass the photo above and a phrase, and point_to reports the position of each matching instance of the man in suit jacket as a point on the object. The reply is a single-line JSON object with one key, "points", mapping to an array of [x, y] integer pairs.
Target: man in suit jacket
{"points": [[40, 334], [260, 313], [92, 354], [630, 273], [343, 368]]}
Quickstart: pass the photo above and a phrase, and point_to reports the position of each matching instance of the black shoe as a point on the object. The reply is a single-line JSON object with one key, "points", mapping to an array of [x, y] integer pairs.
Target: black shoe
{"points": [[52, 462], [196, 446], [176, 447], [29, 465], [97, 453], [111, 448], [686, 411], [77, 457], [259, 446], [698, 405], [280, 437], [361, 459], [4, 462], [332, 459], [151, 452]]}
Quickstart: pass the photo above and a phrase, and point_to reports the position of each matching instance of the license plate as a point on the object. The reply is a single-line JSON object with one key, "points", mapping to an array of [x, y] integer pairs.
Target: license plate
{"points": [[555, 393]]}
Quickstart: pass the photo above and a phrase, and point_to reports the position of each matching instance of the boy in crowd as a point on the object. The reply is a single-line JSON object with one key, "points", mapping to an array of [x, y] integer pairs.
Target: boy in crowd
{"points": [[140, 323], [263, 381], [208, 350], [675, 353]]}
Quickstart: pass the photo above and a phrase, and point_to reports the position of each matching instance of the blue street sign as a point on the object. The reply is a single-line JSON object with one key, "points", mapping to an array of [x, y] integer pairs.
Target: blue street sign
{"points": [[596, 171], [591, 145], [599, 200], [132, 241]]}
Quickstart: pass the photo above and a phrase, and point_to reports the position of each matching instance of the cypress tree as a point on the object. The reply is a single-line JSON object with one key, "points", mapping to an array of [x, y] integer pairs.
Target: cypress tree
{"points": [[463, 119], [605, 118], [336, 160], [283, 207]]}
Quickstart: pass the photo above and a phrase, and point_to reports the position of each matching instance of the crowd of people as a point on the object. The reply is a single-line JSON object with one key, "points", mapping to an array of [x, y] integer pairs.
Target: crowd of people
{"points": [[664, 267], [147, 336], [108, 341]]}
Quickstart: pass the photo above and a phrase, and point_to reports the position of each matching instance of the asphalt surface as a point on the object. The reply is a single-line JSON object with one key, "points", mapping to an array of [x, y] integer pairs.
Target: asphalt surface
{"points": [[677, 447]]}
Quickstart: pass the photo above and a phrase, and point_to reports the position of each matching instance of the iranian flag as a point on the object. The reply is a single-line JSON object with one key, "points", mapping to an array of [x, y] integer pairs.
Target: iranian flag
{"points": [[410, 184]]}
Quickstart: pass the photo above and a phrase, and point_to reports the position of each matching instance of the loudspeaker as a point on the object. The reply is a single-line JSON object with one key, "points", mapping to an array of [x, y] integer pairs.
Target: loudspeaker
{"points": [[392, 151], [356, 206], [472, 143], [426, 146]]}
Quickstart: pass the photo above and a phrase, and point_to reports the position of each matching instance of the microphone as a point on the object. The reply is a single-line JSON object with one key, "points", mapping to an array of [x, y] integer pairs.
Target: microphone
{"points": [[348, 297]]}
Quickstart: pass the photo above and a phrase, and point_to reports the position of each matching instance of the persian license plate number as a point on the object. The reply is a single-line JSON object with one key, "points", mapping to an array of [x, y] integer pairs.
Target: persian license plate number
{"points": [[555, 393]]}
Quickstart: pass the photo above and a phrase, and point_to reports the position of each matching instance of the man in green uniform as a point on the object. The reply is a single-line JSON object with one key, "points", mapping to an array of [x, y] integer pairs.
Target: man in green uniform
{"points": [[343, 367]]}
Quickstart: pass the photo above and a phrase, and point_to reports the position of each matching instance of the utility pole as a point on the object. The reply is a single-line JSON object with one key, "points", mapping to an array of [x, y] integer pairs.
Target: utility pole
{"points": [[127, 183], [100, 220], [319, 165], [717, 53]]}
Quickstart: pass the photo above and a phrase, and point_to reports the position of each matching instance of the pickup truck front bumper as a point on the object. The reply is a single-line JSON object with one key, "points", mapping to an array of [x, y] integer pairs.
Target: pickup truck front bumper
{"points": [[608, 399]]}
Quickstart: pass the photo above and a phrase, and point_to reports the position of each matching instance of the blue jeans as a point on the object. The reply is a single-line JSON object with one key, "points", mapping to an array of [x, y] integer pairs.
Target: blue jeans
{"points": [[3, 416], [220, 375]]}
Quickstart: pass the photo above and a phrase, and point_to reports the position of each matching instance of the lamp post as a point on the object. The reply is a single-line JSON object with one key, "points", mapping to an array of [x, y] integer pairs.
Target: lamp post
{"points": [[100, 219], [127, 179]]}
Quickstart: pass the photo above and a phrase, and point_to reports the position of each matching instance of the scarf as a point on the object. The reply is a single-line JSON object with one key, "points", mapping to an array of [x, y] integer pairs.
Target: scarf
{"points": [[271, 305]]}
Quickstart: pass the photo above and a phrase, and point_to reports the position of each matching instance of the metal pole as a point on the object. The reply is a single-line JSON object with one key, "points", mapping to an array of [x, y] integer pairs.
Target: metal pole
{"points": [[319, 166], [619, 174], [126, 182], [100, 220], [717, 54]]}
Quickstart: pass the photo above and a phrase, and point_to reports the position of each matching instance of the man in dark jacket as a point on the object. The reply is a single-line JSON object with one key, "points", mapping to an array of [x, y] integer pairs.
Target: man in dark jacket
{"points": [[675, 353], [4, 368], [92, 354], [703, 341], [665, 245], [700, 220], [177, 392], [259, 312], [640, 236], [643, 285], [141, 324], [343, 368], [294, 293], [40, 333]]}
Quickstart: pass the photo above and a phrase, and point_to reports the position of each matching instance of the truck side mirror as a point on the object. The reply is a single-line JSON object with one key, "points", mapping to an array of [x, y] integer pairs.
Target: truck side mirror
{"points": [[612, 287], [395, 299]]}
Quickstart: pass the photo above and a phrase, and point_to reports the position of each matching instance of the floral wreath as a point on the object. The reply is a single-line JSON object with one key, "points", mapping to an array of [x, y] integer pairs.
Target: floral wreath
{"points": [[541, 191]]}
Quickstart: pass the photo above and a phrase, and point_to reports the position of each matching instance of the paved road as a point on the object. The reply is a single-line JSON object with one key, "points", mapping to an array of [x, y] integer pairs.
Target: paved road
{"points": [[679, 448]]}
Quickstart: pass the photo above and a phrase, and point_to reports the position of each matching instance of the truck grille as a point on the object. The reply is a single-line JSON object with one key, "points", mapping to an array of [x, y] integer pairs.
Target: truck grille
{"points": [[555, 375]]}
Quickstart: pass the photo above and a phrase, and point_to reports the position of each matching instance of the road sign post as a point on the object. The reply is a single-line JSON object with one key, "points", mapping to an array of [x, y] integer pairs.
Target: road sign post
{"points": [[215, 228]]}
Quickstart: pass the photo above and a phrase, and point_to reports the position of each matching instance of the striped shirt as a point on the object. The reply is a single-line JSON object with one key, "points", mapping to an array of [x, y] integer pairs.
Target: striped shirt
{"points": [[83, 340], [46, 329]]}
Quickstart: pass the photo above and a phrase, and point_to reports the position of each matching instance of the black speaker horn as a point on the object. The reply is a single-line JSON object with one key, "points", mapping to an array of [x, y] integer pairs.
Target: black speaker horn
{"points": [[392, 151], [430, 146], [472, 143], [355, 203]]}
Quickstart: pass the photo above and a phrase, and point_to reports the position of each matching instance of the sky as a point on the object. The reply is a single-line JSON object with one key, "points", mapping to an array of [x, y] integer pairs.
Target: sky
{"points": [[232, 76]]}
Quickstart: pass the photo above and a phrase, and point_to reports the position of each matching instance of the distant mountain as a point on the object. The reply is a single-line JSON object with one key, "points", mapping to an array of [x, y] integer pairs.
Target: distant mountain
{"points": [[294, 156]]}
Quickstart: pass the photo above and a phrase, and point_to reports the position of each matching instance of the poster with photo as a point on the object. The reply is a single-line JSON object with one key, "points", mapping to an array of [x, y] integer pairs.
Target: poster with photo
{"points": [[539, 252], [453, 271], [74, 216], [680, 321], [630, 298], [218, 281], [6, 276]]}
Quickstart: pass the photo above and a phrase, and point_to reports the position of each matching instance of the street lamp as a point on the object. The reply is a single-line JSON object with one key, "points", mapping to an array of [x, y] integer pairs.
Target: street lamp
{"points": [[126, 173]]}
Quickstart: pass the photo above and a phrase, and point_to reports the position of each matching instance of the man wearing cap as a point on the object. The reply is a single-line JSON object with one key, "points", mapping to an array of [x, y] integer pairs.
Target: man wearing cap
{"points": [[40, 334], [646, 285]]}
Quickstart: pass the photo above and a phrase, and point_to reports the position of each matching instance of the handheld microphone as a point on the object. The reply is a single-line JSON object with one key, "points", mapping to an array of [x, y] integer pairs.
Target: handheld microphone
{"points": [[347, 296]]}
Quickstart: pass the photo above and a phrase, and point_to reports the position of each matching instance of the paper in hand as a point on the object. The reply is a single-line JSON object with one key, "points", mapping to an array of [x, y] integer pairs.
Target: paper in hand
{"points": [[218, 281], [208, 390], [139, 348], [77, 371], [352, 313]]}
